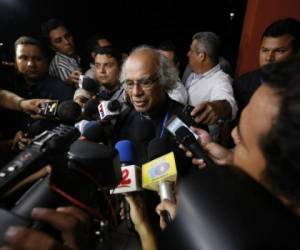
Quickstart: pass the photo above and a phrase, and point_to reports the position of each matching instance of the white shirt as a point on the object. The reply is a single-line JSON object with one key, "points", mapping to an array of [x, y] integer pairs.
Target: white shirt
{"points": [[213, 85], [179, 93]]}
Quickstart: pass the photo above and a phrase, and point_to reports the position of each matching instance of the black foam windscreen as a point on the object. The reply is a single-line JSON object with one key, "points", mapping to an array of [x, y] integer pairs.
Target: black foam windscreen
{"points": [[90, 85], [91, 107], [158, 147], [114, 105], [144, 130], [98, 160], [93, 131], [68, 111]]}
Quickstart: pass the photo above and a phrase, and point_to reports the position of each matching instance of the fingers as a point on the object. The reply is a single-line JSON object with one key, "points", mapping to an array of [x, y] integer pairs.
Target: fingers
{"points": [[205, 113], [166, 205], [60, 221], [199, 162], [25, 238], [75, 212], [198, 109]]}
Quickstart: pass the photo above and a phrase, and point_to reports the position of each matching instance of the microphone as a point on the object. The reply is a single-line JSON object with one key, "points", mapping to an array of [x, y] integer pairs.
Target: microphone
{"points": [[81, 125], [143, 130], [109, 109], [90, 109], [131, 180], [160, 173], [90, 85], [187, 139], [67, 112], [93, 131], [131, 176]]}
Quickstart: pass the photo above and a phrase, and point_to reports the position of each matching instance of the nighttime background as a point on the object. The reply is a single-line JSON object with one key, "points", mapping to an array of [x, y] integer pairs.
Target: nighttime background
{"points": [[128, 22]]}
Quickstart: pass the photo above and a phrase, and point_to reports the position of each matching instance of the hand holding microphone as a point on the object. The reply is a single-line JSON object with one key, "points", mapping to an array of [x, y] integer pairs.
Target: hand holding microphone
{"points": [[160, 173], [217, 153]]}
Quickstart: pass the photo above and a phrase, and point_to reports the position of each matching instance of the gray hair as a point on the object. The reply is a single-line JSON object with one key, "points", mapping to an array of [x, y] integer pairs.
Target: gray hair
{"points": [[27, 40], [166, 72], [208, 42]]}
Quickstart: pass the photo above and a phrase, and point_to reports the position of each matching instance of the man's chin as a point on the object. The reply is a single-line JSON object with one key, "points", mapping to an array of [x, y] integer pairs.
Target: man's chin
{"points": [[141, 109]]}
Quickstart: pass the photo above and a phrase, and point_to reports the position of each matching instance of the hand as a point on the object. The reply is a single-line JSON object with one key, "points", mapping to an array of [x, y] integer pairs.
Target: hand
{"points": [[168, 206], [210, 112], [73, 78], [216, 152], [32, 106], [140, 221], [138, 213], [72, 222], [20, 141]]}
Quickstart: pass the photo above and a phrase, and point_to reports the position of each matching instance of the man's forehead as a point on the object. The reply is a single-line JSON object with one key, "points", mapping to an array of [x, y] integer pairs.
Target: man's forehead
{"points": [[284, 40], [137, 66], [26, 48], [104, 58]]}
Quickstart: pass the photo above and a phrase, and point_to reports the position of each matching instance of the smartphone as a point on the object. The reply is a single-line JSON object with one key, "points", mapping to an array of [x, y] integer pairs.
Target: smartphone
{"points": [[175, 123]]}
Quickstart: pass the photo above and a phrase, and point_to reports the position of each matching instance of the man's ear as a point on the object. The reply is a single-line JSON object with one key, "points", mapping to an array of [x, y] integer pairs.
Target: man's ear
{"points": [[202, 55]]}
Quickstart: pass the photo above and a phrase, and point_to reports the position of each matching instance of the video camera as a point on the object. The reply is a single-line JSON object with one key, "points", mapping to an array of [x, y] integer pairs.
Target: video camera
{"points": [[83, 176]]}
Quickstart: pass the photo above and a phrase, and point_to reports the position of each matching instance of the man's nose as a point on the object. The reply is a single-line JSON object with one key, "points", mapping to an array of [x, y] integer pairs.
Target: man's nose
{"points": [[137, 89], [271, 56]]}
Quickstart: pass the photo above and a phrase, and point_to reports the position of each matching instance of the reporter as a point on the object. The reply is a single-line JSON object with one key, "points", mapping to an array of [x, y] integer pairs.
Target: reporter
{"points": [[72, 222]]}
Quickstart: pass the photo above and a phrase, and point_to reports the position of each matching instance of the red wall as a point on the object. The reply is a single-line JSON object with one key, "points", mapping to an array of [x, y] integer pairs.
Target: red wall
{"points": [[259, 14]]}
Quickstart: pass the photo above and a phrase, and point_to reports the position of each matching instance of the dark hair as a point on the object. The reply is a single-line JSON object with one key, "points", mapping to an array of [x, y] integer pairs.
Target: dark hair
{"points": [[168, 45], [51, 24], [31, 41], [110, 51], [287, 26], [281, 145]]}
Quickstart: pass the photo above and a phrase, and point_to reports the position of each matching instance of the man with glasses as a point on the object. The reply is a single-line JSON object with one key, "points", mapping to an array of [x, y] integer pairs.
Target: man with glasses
{"points": [[147, 76]]}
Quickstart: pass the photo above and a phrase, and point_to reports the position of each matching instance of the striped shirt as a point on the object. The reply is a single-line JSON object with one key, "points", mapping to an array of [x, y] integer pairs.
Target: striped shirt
{"points": [[62, 66]]}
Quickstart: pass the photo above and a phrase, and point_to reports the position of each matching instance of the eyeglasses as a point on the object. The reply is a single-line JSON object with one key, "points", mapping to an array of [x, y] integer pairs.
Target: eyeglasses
{"points": [[145, 83]]}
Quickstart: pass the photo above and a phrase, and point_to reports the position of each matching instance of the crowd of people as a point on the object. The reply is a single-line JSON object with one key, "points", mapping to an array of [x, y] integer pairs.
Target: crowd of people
{"points": [[263, 106]]}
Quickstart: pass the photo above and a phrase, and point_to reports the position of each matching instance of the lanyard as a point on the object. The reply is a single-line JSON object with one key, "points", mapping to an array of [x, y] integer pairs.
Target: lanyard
{"points": [[164, 124]]}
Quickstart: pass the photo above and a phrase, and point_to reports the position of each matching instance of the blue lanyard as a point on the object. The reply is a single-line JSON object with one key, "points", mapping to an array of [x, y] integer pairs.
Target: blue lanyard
{"points": [[164, 124]]}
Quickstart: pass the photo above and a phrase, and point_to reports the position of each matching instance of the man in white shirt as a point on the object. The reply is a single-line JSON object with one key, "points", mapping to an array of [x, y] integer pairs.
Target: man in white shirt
{"points": [[209, 88]]}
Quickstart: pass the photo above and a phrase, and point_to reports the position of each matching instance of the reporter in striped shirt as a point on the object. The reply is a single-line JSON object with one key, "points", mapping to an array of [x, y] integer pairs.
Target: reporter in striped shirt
{"points": [[66, 63]]}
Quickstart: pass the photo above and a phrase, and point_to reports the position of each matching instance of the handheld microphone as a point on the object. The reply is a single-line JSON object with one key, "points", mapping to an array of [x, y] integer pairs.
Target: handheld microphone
{"points": [[187, 139], [131, 174], [90, 109], [81, 125], [109, 109], [93, 131], [160, 174], [66, 112], [89, 85]]}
